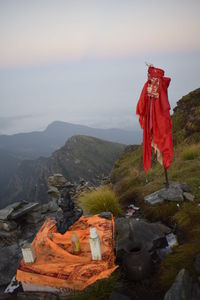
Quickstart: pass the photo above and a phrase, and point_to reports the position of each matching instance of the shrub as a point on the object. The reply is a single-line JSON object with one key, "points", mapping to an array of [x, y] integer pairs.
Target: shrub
{"points": [[191, 152], [103, 199]]}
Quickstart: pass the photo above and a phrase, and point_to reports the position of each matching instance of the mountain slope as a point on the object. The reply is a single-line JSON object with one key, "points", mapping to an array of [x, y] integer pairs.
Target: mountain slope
{"points": [[131, 184], [35, 144], [81, 157], [128, 173]]}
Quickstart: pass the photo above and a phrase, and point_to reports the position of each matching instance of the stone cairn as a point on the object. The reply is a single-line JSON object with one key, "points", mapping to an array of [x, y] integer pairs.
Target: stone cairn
{"points": [[63, 193]]}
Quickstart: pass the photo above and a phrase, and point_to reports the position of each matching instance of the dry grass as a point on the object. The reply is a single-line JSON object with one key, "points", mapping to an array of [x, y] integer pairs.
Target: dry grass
{"points": [[103, 199], [191, 152]]}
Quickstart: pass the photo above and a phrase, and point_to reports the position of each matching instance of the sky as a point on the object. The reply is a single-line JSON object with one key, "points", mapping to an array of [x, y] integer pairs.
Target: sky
{"points": [[83, 61]]}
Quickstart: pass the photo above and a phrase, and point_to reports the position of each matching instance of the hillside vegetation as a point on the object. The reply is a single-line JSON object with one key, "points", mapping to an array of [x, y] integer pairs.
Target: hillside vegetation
{"points": [[131, 184], [81, 157]]}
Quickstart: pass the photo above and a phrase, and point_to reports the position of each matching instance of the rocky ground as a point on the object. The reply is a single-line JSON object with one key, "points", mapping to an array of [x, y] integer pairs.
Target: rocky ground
{"points": [[140, 245]]}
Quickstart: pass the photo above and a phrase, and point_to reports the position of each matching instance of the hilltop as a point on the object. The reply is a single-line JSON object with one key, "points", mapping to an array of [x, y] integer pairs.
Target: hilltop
{"points": [[32, 145], [81, 157]]}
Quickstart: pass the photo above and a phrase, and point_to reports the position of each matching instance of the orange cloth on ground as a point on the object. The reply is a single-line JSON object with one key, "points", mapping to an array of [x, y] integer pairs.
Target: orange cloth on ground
{"points": [[58, 267]]}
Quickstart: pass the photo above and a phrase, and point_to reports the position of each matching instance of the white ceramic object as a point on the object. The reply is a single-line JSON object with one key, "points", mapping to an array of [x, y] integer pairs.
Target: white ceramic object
{"points": [[28, 253], [95, 245]]}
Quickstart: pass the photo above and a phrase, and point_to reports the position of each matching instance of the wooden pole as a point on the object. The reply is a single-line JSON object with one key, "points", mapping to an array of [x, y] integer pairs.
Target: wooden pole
{"points": [[166, 178]]}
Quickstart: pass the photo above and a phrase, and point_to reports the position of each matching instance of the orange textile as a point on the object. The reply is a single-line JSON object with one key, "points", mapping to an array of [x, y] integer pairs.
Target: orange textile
{"points": [[58, 267]]}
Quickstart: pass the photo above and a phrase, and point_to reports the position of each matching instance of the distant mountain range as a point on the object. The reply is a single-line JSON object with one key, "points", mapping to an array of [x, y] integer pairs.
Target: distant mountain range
{"points": [[42, 143], [81, 157]]}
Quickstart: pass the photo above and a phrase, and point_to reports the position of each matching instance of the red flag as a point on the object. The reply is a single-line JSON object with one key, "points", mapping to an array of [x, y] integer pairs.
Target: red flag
{"points": [[154, 117]]}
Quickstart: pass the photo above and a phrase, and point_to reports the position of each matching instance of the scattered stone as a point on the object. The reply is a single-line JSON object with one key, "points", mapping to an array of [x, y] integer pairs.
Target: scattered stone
{"points": [[188, 196], [197, 263], [34, 217], [106, 215], [9, 259], [23, 210], [173, 193], [8, 225], [154, 198], [181, 289], [56, 180], [131, 231], [6, 212], [52, 206], [53, 190]]}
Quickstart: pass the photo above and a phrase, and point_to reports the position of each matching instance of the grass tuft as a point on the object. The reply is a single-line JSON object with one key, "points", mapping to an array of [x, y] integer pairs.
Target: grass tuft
{"points": [[103, 199]]}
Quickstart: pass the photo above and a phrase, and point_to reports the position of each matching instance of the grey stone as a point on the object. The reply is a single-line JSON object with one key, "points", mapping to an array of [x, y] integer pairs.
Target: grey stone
{"points": [[195, 291], [33, 217], [197, 263], [137, 262], [173, 193], [185, 187], [6, 212], [141, 231], [7, 225], [23, 210], [154, 198], [188, 196], [106, 215], [56, 180], [9, 259], [52, 205], [53, 190], [181, 289]]}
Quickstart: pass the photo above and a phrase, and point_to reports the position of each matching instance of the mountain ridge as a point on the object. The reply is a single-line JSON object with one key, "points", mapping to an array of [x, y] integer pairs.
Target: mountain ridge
{"points": [[81, 157], [34, 144]]}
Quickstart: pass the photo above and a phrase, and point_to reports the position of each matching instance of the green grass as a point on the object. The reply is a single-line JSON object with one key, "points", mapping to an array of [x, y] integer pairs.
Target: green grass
{"points": [[181, 257], [100, 290], [191, 152], [100, 200]]}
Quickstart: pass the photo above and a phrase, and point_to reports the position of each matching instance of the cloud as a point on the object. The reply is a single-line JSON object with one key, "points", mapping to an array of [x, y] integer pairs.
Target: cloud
{"points": [[8, 122]]}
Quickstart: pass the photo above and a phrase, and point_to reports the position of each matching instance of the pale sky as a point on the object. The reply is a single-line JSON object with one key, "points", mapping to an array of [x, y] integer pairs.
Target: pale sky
{"points": [[83, 61]]}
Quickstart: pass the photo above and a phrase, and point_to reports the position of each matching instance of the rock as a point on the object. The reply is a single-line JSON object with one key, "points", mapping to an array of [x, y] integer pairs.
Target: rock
{"points": [[106, 215], [7, 225], [53, 191], [67, 213], [141, 232], [181, 289], [185, 187], [188, 196], [56, 180], [52, 205], [6, 212], [9, 259], [21, 211], [195, 291], [173, 193], [137, 262], [197, 263], [154, 198], [34, 217]]}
